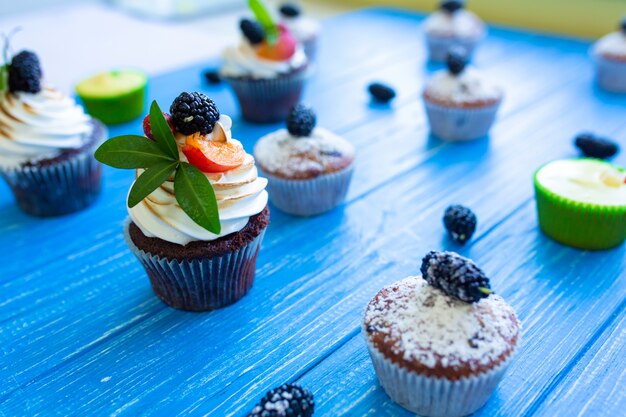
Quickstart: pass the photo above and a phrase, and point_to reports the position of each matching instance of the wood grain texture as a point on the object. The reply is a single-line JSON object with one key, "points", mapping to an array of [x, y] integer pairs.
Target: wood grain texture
{"points": [[82, 333]]}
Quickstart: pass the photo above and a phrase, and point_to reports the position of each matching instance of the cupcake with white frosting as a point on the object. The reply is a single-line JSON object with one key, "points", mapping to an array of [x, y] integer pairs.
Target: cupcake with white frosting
{"points": [[305, 29], [610, 57], [461, 104], [441, 342], [452, 25], [198, 227], [267, 70], [309, 168], [46, 143], [582, 202]]}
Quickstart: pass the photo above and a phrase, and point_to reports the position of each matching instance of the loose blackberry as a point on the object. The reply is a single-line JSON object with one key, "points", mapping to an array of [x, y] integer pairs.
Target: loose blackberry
{"points": [[301, 120], [451, 6], [290, 10], [455, 275], [381, 92], [288, 400], [460, 223], [456, 59], [25, 73], [252, 30], [194, 112], [212, 76], [596, 147]]}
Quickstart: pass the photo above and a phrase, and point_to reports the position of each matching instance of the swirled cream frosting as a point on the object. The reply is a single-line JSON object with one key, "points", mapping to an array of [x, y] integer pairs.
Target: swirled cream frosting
{"points": [[40, 126], [240, 195], [243, 61]]}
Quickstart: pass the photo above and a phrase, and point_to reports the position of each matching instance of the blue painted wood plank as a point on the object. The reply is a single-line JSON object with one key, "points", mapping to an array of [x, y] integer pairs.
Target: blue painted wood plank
{"points": [[555, 279], [72, 342], [134, 354]]}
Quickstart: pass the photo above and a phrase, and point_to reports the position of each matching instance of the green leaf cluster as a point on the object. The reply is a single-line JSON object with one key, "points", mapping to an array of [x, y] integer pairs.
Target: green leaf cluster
{"points": [[160, 161], [264, 17]]}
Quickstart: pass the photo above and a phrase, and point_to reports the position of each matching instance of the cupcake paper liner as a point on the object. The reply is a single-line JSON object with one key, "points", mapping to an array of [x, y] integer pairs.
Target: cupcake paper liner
{"points": [[438, 46], [581, 225], [309, 197], [611, 74], [59, 188], [458, 124], [435, 397], [200, 284], [268, 100]]}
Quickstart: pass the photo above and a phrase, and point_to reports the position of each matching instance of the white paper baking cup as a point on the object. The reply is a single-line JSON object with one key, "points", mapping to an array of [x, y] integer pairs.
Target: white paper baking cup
{"points": [[458, 124], [610, 74], [59, 188], [200, 284], [435, 397], [309, 197], [438, 46]]}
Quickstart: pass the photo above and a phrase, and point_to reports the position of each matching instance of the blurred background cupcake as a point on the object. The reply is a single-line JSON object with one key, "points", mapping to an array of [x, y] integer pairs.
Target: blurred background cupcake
{"points": [[452, 25], [268, 69], [441, 342], [609, 54], [46, 142], [304, 28], [309, 169], [582, 202], [460, 103]]}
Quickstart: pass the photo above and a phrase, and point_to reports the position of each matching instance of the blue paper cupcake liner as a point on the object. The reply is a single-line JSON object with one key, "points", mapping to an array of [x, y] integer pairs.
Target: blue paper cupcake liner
{"points": [[438, 46], [310, 48], [431, 396], [268, 100], [200, 284], [458, 124], [610, 74], [58, 188], [312, 196]]}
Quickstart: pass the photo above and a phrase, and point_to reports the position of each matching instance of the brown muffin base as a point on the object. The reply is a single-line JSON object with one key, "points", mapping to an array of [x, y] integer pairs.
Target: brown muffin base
{"points": [[384, 344], [201, 249], [476, 104]]}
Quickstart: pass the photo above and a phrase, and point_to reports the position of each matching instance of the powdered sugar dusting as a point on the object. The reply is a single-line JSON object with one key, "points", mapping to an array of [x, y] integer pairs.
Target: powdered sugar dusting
{"points": [[424, 325], [279, 153], [468, 87]]}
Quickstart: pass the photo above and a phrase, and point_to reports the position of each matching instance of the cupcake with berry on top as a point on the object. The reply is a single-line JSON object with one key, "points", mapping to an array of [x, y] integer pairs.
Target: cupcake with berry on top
{"points": [[309, 168], [267, 70], [305, 29], [460, 103], [441, 342], [452, 25], [610, 57], [198, 209], [46, 142]]}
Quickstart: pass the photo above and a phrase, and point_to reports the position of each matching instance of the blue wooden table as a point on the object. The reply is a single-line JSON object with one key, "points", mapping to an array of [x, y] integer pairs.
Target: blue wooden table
{"points": [[81, 332]]}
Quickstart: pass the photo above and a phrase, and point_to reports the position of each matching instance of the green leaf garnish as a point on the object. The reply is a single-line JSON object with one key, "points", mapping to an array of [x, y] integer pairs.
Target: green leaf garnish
{"points": [[160, 159], [150, 180], [131, 151], [196, 197], [161, 131], [4, 77], [264, 17]]}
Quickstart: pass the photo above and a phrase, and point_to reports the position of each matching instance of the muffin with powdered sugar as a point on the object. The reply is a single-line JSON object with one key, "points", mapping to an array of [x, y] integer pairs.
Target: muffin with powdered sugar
{"points": [[441, 342]]}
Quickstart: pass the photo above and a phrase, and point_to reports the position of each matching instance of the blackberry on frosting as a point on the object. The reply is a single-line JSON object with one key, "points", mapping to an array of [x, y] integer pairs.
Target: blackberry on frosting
{"points": [[301, 120], [288, 400], [451, 6], [25, 73], [194, 112], [456, 60]]}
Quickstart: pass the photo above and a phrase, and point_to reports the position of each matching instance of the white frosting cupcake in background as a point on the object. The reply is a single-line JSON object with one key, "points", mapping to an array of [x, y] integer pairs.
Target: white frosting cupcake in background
{"points": [[452, 25], [305, 29], [46, 143], [610, 57]]}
